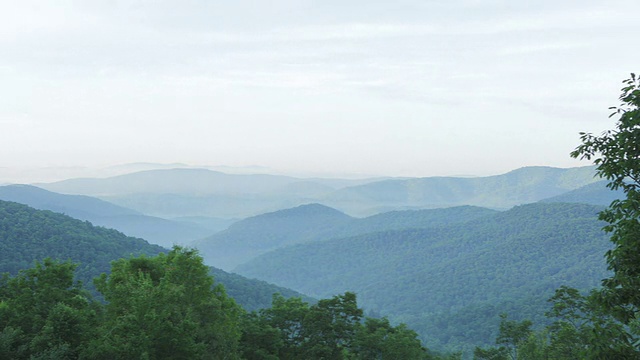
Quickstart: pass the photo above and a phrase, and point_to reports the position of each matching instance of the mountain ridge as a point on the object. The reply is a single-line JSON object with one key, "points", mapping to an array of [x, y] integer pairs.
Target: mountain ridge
{"points": [[171, 193], [156, 230], [500, 258], [314, 222], [28, 234]]}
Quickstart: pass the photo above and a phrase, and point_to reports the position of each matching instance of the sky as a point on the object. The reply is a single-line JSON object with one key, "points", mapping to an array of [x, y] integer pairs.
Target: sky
{"points": [[393, 88]]}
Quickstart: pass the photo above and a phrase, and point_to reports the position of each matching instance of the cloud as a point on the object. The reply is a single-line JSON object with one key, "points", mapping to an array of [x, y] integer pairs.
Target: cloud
{"points": [[120, 66], [542, 47]]}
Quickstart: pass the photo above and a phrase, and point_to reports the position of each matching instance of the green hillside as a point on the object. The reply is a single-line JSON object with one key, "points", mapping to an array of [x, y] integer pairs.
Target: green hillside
{"points": [[409, 219], [511, 260], [27, 235], [257, 235], [99, 212], [77, 206]]}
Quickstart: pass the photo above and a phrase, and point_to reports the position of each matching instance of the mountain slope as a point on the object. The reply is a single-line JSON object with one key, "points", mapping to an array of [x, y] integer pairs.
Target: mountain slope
{"points": [[514, 258], [517, 187], [194, 181], [595, 194], [77, 206], [409, 219], [28, 234], [172, 181], [155, 230], [172, 193], [256, 235]]}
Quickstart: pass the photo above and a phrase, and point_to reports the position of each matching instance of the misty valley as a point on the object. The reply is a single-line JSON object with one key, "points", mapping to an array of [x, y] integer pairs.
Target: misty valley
{"points": [[195, 263]]}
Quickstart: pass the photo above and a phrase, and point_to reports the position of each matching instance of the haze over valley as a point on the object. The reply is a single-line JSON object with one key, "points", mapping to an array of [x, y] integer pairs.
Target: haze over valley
{"points": [[424, 238]]}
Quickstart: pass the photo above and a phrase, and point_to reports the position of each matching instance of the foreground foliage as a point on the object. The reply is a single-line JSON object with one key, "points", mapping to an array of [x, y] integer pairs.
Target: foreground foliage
{"points": [[167, 307], [330, 329], [580, 329], [617, 156], [162, 307], [44, 314], [606, 323]]}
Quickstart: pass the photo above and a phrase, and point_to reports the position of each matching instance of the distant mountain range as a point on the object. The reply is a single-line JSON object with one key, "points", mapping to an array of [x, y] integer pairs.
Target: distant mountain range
{"points": [[596, 194], [26, 174], [521, 186], [170, 193]]}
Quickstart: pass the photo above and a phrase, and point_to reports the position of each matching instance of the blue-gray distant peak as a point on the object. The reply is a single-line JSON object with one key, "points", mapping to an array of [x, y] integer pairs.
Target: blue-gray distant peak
{"points": [[78, 206], [313, 209]]}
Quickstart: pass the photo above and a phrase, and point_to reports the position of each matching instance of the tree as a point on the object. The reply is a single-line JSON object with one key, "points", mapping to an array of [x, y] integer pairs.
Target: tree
{"points": [[260, 340], [44, 313], [330, 329], [331, 325], [165, 307], [378, 339], [287, 316], [321, 331], [584, 330], [512, 336], [616, 154]]}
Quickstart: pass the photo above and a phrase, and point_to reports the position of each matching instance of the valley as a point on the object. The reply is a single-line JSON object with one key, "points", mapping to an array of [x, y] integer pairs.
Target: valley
{"points": [[442, 255]]}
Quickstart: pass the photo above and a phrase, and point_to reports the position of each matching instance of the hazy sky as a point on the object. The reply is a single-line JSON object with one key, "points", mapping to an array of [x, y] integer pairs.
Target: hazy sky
{"points": [[412, 88]]}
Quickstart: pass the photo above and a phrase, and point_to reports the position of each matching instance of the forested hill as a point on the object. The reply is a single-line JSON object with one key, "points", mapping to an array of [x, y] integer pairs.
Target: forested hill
{"points": [[27, 235], [412, 219], [77, 206], [438, 279], [257, 235], [521, 186], [596, 194], [153, 229]]}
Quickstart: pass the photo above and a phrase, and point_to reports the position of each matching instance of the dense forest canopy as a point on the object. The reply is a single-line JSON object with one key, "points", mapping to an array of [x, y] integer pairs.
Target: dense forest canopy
{"points": [[167, 307], [28, 235]]}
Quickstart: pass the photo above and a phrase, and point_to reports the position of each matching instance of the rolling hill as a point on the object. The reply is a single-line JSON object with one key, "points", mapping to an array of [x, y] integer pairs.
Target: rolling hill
{"points": [[170, 193], [99, 212], [596, 194], [182, 192], [257, 235], [28, 234], [440, 280], [171, 181], [521, 186]]}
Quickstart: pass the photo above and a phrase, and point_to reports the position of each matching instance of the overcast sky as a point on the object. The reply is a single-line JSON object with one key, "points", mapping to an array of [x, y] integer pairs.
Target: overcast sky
{"points": [[400, 88]]}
